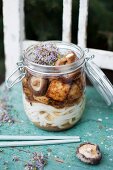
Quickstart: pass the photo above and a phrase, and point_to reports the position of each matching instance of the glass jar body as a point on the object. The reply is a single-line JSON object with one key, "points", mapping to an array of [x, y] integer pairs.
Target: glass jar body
{"points": [[60, 101], [60, 104]]}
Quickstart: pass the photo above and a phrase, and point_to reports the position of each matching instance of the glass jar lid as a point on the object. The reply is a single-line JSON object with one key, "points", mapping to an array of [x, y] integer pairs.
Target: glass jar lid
{"points": [[34, 68], [99, 80]]}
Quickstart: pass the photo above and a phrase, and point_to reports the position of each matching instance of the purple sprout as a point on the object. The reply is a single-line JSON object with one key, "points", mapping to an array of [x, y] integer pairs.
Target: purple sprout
{"points": [[46, 54], [38, 162], [5, 117], [15, 158], [5, 108], [29, 166]]}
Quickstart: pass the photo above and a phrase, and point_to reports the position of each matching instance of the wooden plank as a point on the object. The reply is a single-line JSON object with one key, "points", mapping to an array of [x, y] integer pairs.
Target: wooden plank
{"points": [[96, 126], [103, 59], [67, 20], [13, 22], [82, 24]]}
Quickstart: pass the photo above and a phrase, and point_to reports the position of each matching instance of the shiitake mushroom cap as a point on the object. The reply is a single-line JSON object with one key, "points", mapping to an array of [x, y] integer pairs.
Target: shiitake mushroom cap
{"points": [[38, 86], [92, 159]]}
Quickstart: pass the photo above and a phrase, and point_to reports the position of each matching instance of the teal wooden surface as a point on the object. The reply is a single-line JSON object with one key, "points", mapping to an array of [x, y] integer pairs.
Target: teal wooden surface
{"points": [[96, 126]]}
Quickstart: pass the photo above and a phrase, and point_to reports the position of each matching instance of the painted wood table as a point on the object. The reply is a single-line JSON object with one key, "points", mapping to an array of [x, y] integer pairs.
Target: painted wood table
{"points": [[96, 126]]}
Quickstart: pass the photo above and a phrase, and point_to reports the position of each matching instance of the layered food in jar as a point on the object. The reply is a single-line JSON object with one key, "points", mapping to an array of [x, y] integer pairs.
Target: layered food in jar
{"points": [[53, 101]]}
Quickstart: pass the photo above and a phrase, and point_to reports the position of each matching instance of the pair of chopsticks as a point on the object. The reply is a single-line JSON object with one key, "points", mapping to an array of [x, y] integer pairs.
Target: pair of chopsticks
{"points": [[7, 140]]}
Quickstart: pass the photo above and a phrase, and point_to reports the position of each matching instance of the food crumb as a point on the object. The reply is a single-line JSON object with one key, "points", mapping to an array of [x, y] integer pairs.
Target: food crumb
{"points": [[89, 134], [69, 166], [59, 160], [99, 119], [100, 127], [109, 129], [15, 158]]}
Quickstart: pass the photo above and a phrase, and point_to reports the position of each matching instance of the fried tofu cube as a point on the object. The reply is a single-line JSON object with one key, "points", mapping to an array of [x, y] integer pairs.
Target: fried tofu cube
{"points": [[58, 90], [41, 99], [74, 92], [24, 82]]}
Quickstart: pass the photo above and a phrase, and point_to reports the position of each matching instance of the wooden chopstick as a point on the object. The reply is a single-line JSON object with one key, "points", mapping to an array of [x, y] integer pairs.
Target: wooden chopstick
{"points": [[32, 138], [36, 143]]}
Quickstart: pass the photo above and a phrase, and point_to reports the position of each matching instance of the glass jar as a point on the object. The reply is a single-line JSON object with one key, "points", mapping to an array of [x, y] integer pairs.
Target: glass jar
{"points": [[54, 96], [60, 101]]}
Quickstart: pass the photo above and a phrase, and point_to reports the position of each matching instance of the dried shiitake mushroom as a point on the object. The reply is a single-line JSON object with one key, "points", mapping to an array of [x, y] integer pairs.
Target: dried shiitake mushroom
{"points": [[89, 153], [71, 57], [37, 85], [68, 59], [71, 76]]}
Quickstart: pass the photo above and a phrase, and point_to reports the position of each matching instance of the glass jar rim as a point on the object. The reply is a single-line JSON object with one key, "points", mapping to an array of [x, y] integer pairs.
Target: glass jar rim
{"points": [[35, 68]]}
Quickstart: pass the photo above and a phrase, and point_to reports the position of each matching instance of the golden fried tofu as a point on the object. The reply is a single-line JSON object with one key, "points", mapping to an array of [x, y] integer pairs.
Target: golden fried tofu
{"points": [[74, 92], [58, 90], [41, 99], [27, 91], [24, 82]]}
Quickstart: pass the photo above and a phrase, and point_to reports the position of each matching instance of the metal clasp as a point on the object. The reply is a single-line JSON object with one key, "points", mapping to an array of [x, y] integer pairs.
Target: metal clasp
{"points": [[20, 69], [88, 56]]}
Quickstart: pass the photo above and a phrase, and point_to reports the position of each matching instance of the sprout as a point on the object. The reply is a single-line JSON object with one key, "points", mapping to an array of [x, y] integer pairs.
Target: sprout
{"points": [[38, 162], [46, 54]]}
